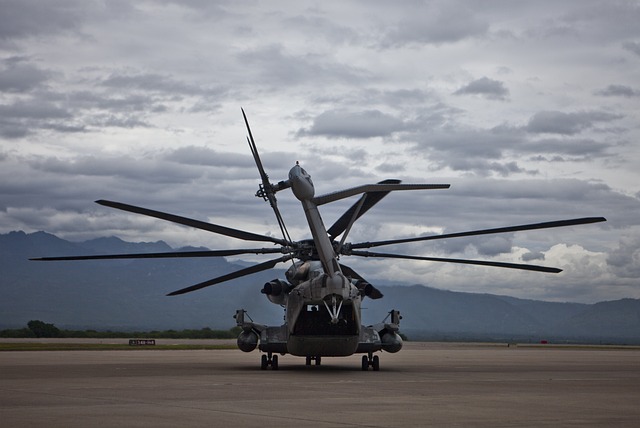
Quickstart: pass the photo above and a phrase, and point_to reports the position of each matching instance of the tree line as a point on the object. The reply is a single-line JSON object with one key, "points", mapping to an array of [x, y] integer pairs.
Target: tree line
{"points": [[37, 329]]}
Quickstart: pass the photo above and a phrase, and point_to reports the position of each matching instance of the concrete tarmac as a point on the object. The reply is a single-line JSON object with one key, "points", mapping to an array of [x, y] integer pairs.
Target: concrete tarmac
{"points": [[425, 384]]}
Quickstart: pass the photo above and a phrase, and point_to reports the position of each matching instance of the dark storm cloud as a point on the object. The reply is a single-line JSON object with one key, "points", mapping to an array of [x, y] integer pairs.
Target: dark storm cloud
{"points": [[180, 166], [118, 121], [557, 122], [153, 82], [618, 91], [123, 166], [390, 167], [345, 124], [18, 76], [160, 93], [488, 88], [538, 190], [119, 100], [495, 245], [485, 168], [521, 141], [413, 98], [113, 102], [99, 107], [566, 149], [473, 150], [480, 151], [531, 256], [33, 110], [21, 118], [12, 130]]}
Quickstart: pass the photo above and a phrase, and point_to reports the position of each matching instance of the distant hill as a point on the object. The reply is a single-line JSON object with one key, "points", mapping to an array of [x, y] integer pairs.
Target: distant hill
{"points": [[119, 294], [130, 295]]}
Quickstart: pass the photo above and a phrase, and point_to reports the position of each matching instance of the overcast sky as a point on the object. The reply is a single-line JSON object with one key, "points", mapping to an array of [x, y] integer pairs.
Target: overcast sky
{"points": [[530, 110]]}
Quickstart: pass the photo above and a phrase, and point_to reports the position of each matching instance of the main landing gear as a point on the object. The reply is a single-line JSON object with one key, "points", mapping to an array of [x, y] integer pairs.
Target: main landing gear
{"points": [[370, 360], [269, 360]]}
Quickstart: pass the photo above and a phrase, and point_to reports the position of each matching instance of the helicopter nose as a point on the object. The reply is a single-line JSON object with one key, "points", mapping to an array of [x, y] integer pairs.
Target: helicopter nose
{"points": [[301, 183]]}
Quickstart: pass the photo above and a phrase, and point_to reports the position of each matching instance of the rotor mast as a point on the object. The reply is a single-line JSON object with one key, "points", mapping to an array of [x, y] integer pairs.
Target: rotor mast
{"points": [[304, 191]]}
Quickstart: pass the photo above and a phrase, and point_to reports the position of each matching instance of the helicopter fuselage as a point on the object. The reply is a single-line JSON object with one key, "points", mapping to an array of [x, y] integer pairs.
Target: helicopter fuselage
{"points": [[323, 312], [322, 304]]}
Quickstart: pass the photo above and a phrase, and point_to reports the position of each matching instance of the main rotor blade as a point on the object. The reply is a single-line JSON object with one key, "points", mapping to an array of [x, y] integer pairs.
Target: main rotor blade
{"points": [[461, 261], [173, 254], [372, 292], [369, 199], [341, 194], [267, 189], [545, 225], [233, 275], [254, 152], [350, 272], [222, 230]]}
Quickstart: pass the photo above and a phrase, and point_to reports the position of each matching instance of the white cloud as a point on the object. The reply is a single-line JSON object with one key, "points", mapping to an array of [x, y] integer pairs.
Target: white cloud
{"points": [[345, 124], [618, 91]]}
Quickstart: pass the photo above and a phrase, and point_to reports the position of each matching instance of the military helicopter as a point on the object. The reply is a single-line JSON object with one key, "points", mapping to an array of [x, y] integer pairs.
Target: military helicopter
{"points": [[321, 296]]}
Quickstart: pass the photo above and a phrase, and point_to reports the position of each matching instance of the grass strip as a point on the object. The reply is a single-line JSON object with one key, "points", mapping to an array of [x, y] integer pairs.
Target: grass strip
{"points": [[32, 346]]}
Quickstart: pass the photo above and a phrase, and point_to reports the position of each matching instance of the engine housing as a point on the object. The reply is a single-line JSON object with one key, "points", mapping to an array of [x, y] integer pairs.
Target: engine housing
{"points": [[247, 341]]}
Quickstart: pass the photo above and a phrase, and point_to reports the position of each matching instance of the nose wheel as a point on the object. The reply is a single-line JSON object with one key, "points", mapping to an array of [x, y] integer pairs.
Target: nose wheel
{"points": [[269, 360], [317, 359], [372, 361]]}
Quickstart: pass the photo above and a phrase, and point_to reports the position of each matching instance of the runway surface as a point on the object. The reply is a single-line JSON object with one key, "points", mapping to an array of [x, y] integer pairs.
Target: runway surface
{"points": [[425, 384]]}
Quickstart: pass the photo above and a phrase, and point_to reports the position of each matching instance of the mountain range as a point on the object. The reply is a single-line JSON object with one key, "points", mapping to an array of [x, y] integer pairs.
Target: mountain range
{"points": [[130, 295]]}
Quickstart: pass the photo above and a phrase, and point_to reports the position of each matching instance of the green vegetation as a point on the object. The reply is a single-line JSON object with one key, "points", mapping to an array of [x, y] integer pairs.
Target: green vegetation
{"points": [[31, 346], [37, 328]]}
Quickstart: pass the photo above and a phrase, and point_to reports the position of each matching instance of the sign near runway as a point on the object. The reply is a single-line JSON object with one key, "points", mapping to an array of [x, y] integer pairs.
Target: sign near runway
{"points": [[142, 342]]}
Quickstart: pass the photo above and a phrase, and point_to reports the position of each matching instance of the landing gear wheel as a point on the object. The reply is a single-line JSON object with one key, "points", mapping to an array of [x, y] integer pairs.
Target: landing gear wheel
{"points": [[269, 360], [370, 361], [309, 358]]}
